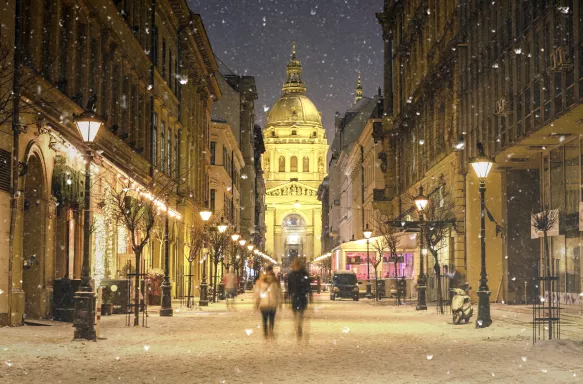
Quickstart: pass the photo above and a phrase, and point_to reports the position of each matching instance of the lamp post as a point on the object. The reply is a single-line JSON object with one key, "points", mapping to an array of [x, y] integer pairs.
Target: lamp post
{"points": [[234, 237], [241, 263], [222, 227], [482, 166], [166, 302], [250, 248], [84, 319], [205, 215], [367, 234], [421, 203]]}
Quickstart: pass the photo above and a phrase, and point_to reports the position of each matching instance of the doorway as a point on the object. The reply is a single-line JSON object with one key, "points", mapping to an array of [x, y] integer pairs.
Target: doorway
{"points": [[34, 238]]}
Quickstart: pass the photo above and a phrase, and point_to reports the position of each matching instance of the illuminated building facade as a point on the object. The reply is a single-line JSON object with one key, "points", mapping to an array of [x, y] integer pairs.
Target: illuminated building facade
{"points": [[294, 165], [148, 73]]}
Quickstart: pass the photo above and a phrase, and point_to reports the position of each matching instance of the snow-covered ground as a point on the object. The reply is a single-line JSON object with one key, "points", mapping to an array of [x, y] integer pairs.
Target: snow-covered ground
{"points": [[346, 342]]}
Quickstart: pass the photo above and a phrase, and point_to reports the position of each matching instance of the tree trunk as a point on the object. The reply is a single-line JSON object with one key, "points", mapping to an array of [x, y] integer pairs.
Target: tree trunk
{"points": [[216, 263], [189, 284], [437, 270], [137, 289]]}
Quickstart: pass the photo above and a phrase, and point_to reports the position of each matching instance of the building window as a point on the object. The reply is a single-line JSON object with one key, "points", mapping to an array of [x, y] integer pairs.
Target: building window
{"points": [[170, 61], [155, 45], [293, 164], [176, 166], [306, 165], [281, 164], [155, 141], [163, 146], [163, 58], [169, 154], [213, 196], [225, 159], [213, 152]]}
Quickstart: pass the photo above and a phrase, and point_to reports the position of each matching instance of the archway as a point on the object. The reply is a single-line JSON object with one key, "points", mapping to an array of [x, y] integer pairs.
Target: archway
{"points": [[34, 237], [293, 229]]}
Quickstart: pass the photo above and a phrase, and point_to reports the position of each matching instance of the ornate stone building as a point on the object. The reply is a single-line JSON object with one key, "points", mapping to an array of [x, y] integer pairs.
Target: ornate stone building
{"points": [[146, 69], [237, 108], [294, 165], [509, 75]]}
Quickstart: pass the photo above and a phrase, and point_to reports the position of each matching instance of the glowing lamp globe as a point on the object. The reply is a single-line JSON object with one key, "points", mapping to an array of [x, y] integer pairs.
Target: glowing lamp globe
{"points": [[421, 201], [235, 237], [242, 242], [205, 214], [250, 247], [367, 232], [222, 226], [481, 164], [88, 125]]}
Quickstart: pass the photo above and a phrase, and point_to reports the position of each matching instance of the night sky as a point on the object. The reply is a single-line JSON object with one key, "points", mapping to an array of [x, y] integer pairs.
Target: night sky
{"points": [[336, 39]]}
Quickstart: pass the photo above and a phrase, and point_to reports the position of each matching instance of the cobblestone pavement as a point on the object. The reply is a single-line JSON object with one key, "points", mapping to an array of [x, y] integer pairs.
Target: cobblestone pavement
{"points": [[345, 342]]}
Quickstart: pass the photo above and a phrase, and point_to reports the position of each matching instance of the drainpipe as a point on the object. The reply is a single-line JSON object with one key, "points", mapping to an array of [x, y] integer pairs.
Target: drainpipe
{"points": [[15, 145], [362, 184], [153, 55]]}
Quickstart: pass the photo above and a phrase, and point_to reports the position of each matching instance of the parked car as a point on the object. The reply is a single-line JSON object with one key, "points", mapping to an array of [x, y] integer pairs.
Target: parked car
{"points": [[344, 285], [315, 284]]}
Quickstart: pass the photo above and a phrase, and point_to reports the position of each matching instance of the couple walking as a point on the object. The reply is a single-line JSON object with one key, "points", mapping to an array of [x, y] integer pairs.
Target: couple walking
{"points": [[268, 297]]}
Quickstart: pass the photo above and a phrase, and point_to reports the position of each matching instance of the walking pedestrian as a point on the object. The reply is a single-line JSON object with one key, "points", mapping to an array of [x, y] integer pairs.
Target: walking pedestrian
{"points": [[230, 287], [267, 293], [298, 287]]}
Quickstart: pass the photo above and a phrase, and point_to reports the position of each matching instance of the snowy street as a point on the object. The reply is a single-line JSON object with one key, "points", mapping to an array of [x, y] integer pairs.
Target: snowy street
{"points": [[346, 342]]}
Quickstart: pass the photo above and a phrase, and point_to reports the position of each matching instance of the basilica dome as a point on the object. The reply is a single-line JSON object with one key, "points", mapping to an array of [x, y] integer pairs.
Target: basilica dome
{"points": [[293, 108]]}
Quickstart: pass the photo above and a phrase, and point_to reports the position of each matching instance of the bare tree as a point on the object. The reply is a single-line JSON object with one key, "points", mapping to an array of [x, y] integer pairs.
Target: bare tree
{"points": [[544, 221], [389, 238], [195, 241], [137, 209], [379, 247], [440, 219], [218, 244]]}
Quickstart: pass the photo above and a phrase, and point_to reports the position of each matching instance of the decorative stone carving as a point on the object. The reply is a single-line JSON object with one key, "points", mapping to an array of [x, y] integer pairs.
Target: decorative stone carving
{"points": [[293, 189]]}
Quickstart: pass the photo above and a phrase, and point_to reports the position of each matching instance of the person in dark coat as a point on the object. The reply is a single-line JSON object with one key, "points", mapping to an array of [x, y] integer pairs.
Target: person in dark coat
{"points": [[298, 287]]}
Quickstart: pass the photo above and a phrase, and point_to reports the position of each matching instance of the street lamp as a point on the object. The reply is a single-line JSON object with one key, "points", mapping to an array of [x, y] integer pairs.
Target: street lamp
{"points": [[421, 202], [166, 302], [482, 166], [205, 215], [222, 227], [88, 125], [367, 234]]}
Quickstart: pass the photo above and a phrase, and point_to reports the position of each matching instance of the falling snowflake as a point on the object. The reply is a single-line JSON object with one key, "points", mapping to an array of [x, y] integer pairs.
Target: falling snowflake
{"points": [[345, 330], [146, 348], [248, 332], [429, 357]]}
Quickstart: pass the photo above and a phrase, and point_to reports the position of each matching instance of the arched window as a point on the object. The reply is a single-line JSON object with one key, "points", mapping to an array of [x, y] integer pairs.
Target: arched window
{"points": [[306, 167], [293, 164], [281, 164]]}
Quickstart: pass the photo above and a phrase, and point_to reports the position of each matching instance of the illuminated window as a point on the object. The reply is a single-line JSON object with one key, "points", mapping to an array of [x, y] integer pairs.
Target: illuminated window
{"points": [[293, 164]]}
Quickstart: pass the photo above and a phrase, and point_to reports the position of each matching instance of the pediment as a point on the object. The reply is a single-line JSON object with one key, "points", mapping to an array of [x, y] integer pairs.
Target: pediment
{"points": [[293, 188]]}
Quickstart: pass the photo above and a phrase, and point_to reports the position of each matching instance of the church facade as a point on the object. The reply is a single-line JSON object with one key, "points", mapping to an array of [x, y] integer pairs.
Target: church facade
{"points": [[294, 165]]}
